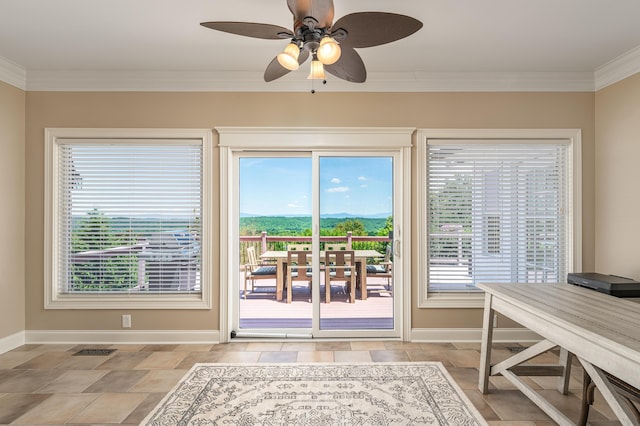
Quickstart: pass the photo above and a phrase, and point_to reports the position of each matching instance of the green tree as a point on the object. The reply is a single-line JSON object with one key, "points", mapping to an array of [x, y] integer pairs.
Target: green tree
{"points": [[108, 273], [355, 226], [451, 205], [93, 233], [450, 208], [387, 228]]}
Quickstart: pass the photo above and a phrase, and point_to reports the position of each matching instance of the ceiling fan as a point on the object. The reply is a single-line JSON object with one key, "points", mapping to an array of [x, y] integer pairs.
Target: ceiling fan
{"points": [[330, 45]]}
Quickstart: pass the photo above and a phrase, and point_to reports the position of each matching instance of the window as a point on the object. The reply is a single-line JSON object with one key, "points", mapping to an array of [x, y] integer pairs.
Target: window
{"points": [[127, 218], [495, 210]]}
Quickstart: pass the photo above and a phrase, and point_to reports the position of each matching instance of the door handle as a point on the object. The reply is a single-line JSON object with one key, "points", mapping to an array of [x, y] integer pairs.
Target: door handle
{"points": [[396, 248]]}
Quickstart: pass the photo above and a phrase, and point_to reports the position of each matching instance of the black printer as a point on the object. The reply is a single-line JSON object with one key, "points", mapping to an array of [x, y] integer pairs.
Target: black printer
{"points": [[608, 284]]}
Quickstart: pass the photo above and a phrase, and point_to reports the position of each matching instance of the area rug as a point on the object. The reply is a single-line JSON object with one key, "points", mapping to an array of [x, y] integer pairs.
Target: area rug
{"points": [[316, 394]]}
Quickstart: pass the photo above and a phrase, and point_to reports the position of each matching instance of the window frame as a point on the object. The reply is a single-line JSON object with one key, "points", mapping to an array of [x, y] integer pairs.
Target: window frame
{"points": [[573, 137], [234, 140], [53, 299]]}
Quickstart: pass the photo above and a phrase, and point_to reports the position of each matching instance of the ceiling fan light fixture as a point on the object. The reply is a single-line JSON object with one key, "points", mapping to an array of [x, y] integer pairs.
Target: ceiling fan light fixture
{"points": [[289, 58], [317, 70], [332, 45], [329, 51]]}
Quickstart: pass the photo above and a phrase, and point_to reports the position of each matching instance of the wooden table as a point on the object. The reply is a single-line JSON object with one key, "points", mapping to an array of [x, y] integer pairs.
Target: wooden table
{"points": [[602, 331], [361, 268]]}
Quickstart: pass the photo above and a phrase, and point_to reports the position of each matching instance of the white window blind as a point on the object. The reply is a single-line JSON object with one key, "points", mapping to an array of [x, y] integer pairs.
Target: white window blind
{"points": [[129, 216], [497, 212]]}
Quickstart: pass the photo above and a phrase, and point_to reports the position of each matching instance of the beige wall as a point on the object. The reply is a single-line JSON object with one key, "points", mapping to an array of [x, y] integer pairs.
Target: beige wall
{"points": [[617, 228], [208, 110], [12, 190]]}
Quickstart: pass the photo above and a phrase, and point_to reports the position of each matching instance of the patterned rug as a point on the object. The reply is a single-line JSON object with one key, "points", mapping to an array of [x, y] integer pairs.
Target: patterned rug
{"points": [[316, 394]]}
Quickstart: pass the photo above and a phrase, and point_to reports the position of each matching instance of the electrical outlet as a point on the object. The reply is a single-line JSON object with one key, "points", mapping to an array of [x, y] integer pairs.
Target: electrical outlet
{"points": [[495, 320], [126, 321]]}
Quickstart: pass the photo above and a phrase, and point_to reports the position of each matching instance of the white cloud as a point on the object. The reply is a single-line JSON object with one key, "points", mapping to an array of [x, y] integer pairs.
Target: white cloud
{"points": [[362, 178], [364, 186], [338, 189], [335, 180]]}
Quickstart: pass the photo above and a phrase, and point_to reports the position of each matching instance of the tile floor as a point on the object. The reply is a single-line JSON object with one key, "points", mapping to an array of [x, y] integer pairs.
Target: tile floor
{"points": [[46, 384]]}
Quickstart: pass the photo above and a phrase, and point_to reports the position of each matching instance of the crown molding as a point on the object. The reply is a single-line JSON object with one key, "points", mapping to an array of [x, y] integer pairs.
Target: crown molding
{"points": [[143, 81], [618, 69], [13, 74], [252, 82], [146, 81], [498, 82]]}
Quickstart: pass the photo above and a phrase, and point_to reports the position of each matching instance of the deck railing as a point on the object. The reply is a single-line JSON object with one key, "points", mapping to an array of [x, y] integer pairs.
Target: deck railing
{"points": [[265, 242], [138, 277]]}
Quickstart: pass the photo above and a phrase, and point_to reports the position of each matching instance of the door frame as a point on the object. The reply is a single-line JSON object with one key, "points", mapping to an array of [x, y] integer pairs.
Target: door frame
{"points": [[335, 140]]}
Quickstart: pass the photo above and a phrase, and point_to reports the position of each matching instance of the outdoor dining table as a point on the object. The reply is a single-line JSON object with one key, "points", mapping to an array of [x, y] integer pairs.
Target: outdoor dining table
{"points": [[361, 257]]}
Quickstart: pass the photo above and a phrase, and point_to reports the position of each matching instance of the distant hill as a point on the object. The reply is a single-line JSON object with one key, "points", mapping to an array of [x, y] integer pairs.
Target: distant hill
{"points": [[139, 225], [355, 216], [301, 225], [277, 215], [327, 215]]}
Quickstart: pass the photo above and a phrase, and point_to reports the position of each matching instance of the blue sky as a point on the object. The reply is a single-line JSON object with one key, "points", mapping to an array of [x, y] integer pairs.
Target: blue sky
{"points": [[282, 186]]}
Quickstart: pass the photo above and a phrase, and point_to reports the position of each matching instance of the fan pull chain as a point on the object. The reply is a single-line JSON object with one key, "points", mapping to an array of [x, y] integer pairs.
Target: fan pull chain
{"points": [[313, 90]]}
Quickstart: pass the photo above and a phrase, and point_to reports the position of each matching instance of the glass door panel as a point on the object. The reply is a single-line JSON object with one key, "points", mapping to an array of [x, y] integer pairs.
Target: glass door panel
{"points": [[338, 209], [275, 205], [356, 220]]}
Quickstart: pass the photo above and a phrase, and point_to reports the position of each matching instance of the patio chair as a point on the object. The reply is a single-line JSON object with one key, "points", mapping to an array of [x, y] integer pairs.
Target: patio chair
{"points": [[299, 247], [255, 270], [335, 247], [340, 265], [298, 269], [383, 269]]}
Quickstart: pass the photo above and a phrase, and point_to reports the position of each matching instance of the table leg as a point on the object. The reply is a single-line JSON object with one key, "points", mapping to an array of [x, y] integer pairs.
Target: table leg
{"points": [[565, 361], [327, 285], [485, 349], [279, 279], [362, 276], [619, 407]]}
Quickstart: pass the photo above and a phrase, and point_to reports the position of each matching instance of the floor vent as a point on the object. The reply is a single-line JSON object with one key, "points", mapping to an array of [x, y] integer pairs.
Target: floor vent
{"points": [[95, 352], [516, 349]]}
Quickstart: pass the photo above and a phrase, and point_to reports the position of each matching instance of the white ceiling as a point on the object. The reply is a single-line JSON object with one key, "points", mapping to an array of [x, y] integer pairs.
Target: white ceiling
{"points": [[464, 45]]}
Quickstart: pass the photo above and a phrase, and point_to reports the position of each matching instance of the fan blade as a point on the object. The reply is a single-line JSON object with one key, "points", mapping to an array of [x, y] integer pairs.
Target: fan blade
{"points": [[367, 29], [250, 29], [320, 10], [349, 67], [275, 70]]}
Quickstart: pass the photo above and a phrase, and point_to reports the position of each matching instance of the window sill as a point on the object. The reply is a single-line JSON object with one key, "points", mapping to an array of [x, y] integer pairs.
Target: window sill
{"points": [[453, 300], [172, 301]]}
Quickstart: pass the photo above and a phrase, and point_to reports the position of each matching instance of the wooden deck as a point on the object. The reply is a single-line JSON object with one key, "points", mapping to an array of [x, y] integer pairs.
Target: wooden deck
{"points": [[261, 310]]}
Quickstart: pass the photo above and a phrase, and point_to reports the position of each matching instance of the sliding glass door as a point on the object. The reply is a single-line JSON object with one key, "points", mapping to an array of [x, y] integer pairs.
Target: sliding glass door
{"points": [[315, 239], [275, 215], [356, 237]]}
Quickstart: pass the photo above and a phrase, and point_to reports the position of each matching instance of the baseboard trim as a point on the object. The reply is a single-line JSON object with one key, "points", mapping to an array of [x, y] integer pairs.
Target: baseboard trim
{"points": [[11, 342], [122, 336], [472, 335], [213, 337]]}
